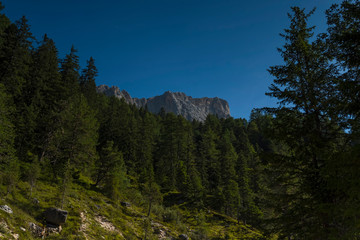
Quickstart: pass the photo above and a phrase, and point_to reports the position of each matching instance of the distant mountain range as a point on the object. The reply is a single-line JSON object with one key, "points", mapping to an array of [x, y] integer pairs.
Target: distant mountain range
{"points": [[175, 102]]}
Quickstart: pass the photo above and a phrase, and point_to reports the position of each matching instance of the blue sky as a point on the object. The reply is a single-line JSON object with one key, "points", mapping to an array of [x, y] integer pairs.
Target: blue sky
{"points": [[201, 47]]}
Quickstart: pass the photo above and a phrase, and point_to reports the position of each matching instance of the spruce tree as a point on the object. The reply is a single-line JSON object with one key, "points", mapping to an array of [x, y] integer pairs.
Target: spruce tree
{"points": [[47, 93], [228, 182], [8, 161], [87, 82], [111, 171], [145, 164], [4, 23], [304, 88], [70, 73], [74, 144], [15, 63], [343, 170]]}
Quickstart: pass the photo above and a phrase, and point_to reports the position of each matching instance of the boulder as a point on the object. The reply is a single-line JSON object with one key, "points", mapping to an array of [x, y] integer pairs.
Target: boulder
{"points": [[55, 216], [6, 208], [183, 237]]}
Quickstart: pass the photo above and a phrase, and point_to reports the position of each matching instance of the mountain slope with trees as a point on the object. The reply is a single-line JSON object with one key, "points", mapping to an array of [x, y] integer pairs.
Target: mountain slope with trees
{"points": [[289, 172]]}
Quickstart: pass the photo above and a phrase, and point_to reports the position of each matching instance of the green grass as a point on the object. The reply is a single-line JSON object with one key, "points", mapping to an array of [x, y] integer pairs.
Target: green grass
{"points": [[129, 222]]}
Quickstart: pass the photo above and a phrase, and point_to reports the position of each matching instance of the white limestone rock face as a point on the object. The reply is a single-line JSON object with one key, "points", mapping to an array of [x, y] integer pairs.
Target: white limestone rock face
{"points": [[175, 102]]}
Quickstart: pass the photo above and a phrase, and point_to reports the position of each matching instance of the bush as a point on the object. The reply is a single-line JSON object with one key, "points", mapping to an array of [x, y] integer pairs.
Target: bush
{"points": [[171, 215]]}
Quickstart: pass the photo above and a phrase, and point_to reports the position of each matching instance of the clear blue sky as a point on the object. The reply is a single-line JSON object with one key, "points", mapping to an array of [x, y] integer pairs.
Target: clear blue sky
{"points": [[201, 47]]}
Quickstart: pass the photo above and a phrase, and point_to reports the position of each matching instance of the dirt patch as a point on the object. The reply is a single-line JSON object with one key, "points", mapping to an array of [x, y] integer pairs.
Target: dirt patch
{"points": [[160, 230], [106, 224], [84, 224], [6, 228]]}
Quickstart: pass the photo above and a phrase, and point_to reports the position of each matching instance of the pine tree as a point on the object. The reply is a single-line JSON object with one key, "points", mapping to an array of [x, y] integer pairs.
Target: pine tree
{"points": [[167, 153], [74, 142], [4, 23], [343, 170], [146, 145], [47, 93], [228, 183], [304, 121], [207, 161], [32, 171], [70, 73], [249, 175], [8, 161], [110, 160], [188, 179], [87, 82], [15, 63], [111, 171]]}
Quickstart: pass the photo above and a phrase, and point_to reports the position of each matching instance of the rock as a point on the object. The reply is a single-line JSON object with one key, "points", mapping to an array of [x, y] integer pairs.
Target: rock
{"points": [[183, 237], [175, 102], [6, 208], [55, 216], [36, 201], [125, 204], [51, 229], [36, 230], [23, 229]]}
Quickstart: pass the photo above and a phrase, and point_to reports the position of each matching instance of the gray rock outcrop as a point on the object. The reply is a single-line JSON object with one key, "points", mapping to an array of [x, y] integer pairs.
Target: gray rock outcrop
{"points": [[36, 230], [175, 102], [6, 208]]}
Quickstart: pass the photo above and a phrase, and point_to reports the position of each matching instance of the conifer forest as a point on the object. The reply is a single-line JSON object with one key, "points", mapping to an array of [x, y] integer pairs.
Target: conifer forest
{"points": [[288, 172]]}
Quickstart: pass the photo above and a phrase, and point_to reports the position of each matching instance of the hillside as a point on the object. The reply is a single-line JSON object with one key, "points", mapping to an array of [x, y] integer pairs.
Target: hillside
{"points": [[91, 215]]}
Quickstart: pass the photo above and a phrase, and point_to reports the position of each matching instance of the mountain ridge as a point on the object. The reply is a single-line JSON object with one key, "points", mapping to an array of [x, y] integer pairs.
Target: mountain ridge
{"points": [[176, 102]]}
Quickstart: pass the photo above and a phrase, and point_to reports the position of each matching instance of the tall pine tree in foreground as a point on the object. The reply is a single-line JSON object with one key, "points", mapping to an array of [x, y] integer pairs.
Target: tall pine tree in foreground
{"points": [[305, 121]]}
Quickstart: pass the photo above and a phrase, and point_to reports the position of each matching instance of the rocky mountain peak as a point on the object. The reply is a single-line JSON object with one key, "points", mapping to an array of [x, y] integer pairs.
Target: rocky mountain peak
{"points": [[175, 102]]}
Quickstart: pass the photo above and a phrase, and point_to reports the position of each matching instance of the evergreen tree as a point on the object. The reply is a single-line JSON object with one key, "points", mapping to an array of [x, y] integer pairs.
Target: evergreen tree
{"points": [[229, 185], [146, 145], [87, 82], [343, 170], [70, 73], [248, 174], [8, 160], [4, 23], [47, 93], [111, 170], [304, 88], [15, 63], [32, 171], [74, 144], [208, 159], [167, 153], [189, 181]]}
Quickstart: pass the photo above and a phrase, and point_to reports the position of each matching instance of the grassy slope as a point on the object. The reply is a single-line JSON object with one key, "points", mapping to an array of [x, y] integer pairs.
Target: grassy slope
{"points": [[94, 216]]}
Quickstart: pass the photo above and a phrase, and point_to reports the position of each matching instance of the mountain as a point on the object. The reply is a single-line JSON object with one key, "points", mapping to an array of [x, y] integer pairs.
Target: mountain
{"points": [[175, 102]]}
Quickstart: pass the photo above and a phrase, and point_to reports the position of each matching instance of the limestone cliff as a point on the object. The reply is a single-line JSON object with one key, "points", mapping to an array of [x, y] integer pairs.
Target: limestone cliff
{"points": [[175, 102]]}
